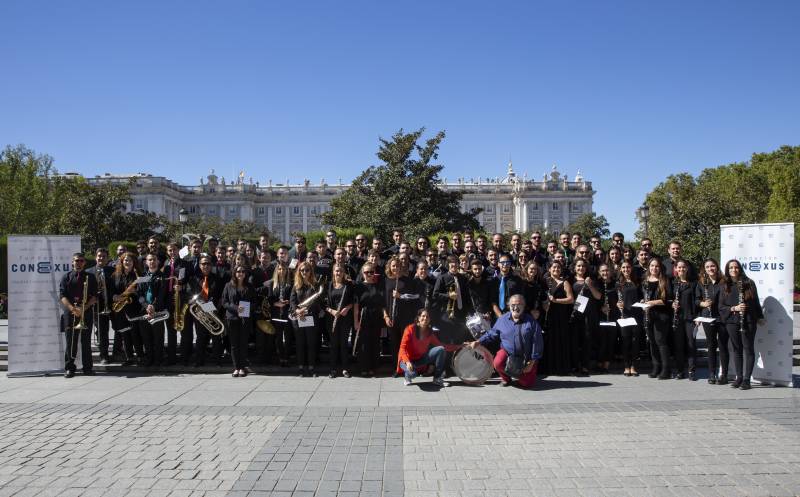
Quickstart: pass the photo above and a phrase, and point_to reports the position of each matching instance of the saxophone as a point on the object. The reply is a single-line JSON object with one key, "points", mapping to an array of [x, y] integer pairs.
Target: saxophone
{"points": [[126, 297]]}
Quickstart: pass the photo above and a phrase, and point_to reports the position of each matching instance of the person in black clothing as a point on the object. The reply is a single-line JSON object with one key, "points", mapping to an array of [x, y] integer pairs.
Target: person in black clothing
{"points": [[628, 293], [605, 337], [103, 273], [657, 295], [306, 322], [582, 322], [670, 262], [125, 274], [401, 302], [153, 298], [535, 292], [340, 257], [684, 307], [368, 319], [193, 259], [222, 268], [71, 293], [423, 285], [740, 310], [209, 287], [480, 290], [175, 270], [706, 302], [279, 289], [451, 298], [236, 297], [504, 286], [339, 305]]}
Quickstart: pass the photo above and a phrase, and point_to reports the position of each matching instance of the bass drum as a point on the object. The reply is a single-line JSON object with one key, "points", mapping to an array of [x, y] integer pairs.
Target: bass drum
{"points": [[473, 366]]}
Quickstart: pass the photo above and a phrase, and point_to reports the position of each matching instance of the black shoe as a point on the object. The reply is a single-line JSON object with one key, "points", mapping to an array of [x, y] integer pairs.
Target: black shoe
{"points": [[332, 374], [88, 373], [395, 375], [652, 374], [692, 376], [69, 374], [346, 373], [104, 362], [664, 376], [723, 380], [736, 383], [312, 373], [301, 372], [680, 376], [712, 381], [745, 385]]}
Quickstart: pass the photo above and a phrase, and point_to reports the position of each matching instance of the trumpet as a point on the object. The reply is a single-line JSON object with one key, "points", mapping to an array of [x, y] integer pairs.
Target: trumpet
{"points": [[209, 320]]}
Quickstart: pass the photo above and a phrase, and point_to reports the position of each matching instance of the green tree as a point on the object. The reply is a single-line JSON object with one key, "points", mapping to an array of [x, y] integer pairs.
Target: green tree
{"points": [[403, 191], [27, 197], [589, 225]]}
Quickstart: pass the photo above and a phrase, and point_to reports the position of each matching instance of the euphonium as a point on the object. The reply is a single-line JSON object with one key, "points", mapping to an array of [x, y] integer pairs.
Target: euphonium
{"points": [[209, 320]]}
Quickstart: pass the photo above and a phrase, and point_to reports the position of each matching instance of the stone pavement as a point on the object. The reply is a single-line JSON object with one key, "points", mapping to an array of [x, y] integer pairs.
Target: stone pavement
{"points": [[282, 436]]}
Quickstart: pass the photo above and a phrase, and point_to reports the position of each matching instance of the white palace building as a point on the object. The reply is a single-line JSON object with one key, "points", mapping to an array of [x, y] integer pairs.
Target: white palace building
{"points": [[509, 203]]}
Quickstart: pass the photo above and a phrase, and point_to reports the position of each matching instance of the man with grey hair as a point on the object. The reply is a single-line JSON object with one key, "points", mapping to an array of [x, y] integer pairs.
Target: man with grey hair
{"points": [[521, 344]]}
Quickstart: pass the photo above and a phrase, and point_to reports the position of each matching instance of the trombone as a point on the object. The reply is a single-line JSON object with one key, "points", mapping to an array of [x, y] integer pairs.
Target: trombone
{"points": [[81, 324]]}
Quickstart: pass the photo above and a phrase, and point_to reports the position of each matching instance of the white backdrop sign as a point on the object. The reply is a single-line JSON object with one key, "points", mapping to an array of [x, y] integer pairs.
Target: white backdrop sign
{"points": [[36, 265], [766, 252]]}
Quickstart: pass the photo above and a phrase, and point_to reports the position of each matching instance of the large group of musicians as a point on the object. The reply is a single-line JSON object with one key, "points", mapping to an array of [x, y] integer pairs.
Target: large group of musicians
{"points": [[565, 306]]}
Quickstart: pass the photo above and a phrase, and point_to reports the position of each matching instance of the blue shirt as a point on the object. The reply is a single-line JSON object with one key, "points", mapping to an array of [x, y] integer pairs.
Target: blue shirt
{"points": [[523, 338]]}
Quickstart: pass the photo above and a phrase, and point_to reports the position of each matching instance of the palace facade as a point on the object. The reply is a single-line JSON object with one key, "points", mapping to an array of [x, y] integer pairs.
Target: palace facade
{"points": [[509, 203]]}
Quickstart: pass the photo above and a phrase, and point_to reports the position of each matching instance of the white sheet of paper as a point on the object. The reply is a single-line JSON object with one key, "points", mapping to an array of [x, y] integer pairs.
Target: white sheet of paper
{"points": [[245, 305], [608, 323], [704, 320], [641, 305], [581, 302], [142, 279], [182, 253], [305, 322], [182, 273], [293, 264], [760, 361], [627, 322], [208, 306]]}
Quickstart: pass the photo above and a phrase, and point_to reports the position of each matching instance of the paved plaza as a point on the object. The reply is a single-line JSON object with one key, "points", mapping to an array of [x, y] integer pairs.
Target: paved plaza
{"points": [[283, 436]]}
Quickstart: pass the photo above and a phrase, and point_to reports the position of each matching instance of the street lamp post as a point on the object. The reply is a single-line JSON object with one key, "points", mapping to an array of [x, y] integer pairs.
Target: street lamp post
{"points": [[644, 213]]}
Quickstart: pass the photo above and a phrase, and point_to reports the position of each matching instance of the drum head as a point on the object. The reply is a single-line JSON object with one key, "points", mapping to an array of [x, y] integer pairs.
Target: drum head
{"points": [[473, 366]]}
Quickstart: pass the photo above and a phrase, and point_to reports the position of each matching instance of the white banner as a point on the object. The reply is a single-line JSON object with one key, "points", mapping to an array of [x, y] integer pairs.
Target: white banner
{"points": [[766, 252], [36, 265]]}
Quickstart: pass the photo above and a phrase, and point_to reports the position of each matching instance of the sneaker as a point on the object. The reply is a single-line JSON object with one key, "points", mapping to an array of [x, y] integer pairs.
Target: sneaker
{"points": [[503, 383], [439, 382], [407, 381]]}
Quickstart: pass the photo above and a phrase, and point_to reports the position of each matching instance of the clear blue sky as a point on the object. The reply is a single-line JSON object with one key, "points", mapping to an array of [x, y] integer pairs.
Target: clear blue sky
{"points": [[627, 92]]}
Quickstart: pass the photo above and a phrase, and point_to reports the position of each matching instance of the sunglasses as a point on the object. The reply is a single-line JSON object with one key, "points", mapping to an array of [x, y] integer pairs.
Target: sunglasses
{"points": [[369, 273], [349, 246], [505, 263]]}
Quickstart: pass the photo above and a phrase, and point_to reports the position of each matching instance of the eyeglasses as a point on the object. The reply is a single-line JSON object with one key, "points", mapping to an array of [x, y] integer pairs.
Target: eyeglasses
{"points": [[515, 306], [349, 246], [536, 238], [361, 239], [79, 260], [505, 263]]}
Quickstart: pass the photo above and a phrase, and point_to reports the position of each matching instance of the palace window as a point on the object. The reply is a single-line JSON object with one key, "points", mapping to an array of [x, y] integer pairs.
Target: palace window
{"points": [[278, 211], [261, 211], [296, 210], [555, 206]]}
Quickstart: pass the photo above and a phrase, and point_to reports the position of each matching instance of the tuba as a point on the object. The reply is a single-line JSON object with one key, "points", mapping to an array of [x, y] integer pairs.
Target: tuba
{"points": [[209, 320]]}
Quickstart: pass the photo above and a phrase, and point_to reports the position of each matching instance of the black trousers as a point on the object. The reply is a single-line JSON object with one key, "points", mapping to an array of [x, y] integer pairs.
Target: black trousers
{"points": [[744, 349], [630, 345], [338, 344], [102, 334], [239, 334], [690, 344], [580, 339], [658, 334], [153, 341], [367, 348], [717, 338], [76, 339], [307, 342], [123, 336], [203, 337]]}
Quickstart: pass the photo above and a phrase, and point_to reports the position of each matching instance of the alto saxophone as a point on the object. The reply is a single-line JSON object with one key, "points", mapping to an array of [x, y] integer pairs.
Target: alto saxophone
{"points": [[125, 297]]}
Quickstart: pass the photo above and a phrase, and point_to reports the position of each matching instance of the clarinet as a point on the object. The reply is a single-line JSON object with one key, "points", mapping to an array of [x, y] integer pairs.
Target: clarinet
{"points": [[675, 313], [620, 299], [646, 298], [551, 290], [740, 288], [605, 300], [706, 310]]}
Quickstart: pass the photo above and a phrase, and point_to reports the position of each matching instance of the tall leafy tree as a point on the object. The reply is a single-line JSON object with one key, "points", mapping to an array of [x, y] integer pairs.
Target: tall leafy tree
{"points": [[402, 191], [589, 225]]}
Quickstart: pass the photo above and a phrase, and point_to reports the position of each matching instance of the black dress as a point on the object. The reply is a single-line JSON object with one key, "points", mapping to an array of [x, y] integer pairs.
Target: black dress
{"points": [[557, 354], [365, 344]]}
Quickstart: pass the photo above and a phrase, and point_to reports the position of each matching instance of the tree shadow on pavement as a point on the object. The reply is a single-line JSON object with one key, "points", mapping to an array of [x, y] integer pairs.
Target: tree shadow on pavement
{"points": [[548, 384]]}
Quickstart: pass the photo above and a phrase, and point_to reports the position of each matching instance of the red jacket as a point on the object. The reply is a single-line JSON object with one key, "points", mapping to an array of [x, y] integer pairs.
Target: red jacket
{"points": [[412, 348]]}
